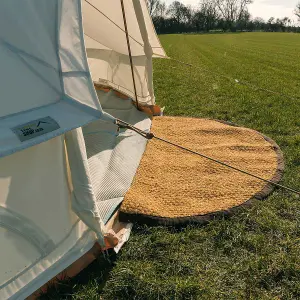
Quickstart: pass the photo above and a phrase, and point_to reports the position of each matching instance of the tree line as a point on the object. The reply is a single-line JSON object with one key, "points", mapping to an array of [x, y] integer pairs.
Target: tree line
{"points": [[214, 15]]}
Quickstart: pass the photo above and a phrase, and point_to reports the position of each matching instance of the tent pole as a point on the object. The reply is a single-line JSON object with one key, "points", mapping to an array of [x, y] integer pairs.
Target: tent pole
{"points": [[129, 52]]}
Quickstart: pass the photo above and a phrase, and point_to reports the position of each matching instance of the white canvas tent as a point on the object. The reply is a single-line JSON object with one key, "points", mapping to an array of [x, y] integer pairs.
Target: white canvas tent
{"points": [[64, 167], [107, 49]]}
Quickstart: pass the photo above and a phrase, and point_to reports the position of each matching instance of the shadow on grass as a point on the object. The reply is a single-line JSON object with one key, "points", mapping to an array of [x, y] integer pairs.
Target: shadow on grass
{"points": [[96, 274]]}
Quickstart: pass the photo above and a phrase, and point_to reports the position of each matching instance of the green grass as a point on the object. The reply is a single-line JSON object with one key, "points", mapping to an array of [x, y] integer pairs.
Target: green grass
{"points": [[255, 254]]}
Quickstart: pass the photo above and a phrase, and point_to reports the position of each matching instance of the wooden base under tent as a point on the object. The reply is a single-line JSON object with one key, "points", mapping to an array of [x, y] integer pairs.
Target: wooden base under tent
{"points": [[150, 110], [114, 238]]}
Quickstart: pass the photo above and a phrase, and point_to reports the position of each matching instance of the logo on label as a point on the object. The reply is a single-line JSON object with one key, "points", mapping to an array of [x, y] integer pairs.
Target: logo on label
{"points": [[35, 128]]}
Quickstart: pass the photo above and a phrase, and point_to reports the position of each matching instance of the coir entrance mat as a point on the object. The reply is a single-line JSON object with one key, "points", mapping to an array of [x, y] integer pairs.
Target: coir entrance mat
{"points": [[173, 187]]}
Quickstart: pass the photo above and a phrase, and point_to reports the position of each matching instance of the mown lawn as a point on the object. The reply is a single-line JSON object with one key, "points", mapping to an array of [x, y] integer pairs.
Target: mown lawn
{"points": [[255, 254]]}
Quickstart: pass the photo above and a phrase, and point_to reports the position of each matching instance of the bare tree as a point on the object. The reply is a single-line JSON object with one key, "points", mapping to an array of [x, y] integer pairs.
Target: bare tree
{"points": [[161, 10], [232, 11], [297, 11], [213, 15], [286, 21], [258, 23], [154, 7], [206, 16], [179, 12]]}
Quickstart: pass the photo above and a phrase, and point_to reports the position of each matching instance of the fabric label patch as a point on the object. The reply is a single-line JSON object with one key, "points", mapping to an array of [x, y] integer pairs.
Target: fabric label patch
{"points": [[35, 128]]}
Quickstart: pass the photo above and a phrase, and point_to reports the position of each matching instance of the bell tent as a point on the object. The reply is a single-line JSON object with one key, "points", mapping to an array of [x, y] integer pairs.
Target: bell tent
{"points": [[64, 165]]}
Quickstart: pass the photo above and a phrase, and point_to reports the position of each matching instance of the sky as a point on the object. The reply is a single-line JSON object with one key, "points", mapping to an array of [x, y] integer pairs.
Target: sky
{"points": [[263, 8]]}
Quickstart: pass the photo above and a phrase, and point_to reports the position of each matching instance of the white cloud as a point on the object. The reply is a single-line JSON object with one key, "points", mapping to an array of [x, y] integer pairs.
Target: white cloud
{"points": [[273, 8]]}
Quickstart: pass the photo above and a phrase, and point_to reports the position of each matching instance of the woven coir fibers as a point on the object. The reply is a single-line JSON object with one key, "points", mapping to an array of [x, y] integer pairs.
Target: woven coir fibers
{"points": [[172, 186]]}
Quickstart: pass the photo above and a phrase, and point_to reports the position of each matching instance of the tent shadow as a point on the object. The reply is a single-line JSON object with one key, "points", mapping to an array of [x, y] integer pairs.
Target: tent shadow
{"points": [[98, 272]]}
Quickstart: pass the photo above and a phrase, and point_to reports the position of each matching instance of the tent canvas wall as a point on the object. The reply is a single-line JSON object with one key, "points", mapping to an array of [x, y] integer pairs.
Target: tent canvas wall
{"points": [[64, 167], [107, 47]]}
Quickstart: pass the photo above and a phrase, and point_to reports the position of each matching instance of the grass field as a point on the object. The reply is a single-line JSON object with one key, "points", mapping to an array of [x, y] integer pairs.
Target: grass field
{"points": [[255, 254]]}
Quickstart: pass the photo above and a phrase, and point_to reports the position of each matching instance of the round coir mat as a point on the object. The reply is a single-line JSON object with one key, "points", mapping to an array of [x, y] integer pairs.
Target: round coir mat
{"points": [[173, 187]]}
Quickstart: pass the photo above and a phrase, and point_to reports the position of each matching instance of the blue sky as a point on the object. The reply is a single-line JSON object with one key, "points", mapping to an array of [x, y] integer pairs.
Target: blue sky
{"points": [[263, 8]]}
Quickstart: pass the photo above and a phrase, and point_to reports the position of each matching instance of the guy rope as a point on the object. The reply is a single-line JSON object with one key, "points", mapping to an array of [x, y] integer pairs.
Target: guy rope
{"points": [[150, 136]]}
